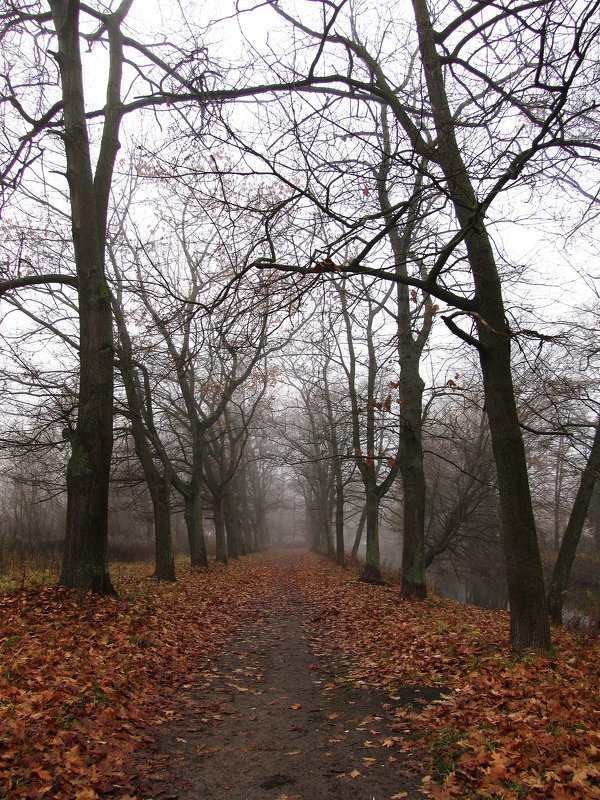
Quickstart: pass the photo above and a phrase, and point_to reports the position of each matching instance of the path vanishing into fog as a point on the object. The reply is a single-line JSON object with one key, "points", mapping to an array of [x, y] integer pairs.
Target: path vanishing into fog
{"points": [[275, 719]]}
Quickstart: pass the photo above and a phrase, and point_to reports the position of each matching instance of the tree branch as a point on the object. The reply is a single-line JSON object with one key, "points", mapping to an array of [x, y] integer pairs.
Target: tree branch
{"points": [[37, 280]]}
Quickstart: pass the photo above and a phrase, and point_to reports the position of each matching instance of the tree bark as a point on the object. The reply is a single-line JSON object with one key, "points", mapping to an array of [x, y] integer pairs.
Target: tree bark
{"points": [[372, 568], [160, 492], [528, 611], [568, 548], [359, 532], [340, 555], [195, 529], [327, 544], [220, 534], [231, 525], [248, 533], [262, 533], [414, 485], [411, 460]]}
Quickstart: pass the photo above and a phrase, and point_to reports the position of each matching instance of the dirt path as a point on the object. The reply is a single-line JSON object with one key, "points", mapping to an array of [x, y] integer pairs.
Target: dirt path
{"points": [[268, 723]]}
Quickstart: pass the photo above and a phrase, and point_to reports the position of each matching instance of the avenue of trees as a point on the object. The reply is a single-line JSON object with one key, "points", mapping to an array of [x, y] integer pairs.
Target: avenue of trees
{"points": [[308, 253]]}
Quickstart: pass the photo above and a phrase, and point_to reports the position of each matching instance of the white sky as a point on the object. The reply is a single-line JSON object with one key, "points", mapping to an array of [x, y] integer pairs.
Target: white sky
{"points": [[560, 275]]}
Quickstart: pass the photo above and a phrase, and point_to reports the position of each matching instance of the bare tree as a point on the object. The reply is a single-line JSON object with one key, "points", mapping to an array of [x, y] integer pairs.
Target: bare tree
{"points": [[478, 65], [306, 430], [49, 102], [224, 444], [139, 412], [375, 435], [570, 540], [463, 523]]}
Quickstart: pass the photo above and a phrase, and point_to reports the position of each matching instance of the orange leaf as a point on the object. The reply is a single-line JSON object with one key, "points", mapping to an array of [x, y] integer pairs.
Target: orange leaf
{"points": [[42, 773], [88, 794]]}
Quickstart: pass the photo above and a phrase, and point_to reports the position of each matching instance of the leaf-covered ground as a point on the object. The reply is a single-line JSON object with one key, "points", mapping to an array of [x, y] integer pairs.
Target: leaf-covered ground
{"points": [[85, 683], [513, 726]]}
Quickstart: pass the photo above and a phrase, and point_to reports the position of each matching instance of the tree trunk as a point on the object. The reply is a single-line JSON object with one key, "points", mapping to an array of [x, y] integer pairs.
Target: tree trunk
{"points": [[322, 520], [248, 533], [327, 545], [85, 554], [529, 626], [413, 480], [559, 474], [262, 533], [528, 612], [195, 530], [359, 532], [161, 501], [568, 548], [321, 534], [220, 534], [231, 526], [411, 342], [372, 568], [245, 540], [85, 561], [340, 555]]}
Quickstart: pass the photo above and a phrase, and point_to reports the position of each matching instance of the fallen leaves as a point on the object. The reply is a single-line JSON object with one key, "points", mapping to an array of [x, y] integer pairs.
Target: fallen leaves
{"points": [[509, 725], [83, 680]]}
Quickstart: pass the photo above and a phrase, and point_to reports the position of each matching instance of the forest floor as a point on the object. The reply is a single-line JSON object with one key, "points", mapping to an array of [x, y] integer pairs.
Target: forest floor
{"points": [[282, 677]]}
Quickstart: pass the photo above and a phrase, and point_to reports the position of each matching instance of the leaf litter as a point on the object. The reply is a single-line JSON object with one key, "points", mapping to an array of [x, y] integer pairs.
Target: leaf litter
{"points": [[85, 683]]}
